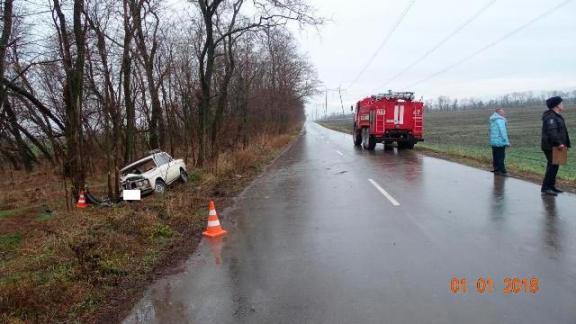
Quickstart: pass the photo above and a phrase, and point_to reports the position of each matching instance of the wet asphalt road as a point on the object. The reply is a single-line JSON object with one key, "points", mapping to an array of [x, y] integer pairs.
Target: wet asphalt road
{"points": [[313, 240]]}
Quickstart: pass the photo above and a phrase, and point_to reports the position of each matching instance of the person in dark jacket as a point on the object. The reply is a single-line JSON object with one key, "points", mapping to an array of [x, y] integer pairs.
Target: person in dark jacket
{"points": [[554, 134]]}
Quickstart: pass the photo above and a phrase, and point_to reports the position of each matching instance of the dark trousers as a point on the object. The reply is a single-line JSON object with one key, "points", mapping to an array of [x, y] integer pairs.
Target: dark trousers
{"points": [[498, 157], [551, 172]]}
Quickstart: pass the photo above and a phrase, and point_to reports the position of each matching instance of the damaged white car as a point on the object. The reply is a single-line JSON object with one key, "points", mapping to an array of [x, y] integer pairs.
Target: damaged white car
{"points": [[153, 173]]}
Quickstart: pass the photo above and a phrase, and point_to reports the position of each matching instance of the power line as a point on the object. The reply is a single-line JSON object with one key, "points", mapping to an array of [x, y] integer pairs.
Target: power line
{"points": [[440, 43], [384, 42], [492, 44]]}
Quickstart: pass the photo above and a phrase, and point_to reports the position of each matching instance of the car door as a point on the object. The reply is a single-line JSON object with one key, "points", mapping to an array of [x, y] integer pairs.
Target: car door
{"points": [[173, 169], [162, 169]]}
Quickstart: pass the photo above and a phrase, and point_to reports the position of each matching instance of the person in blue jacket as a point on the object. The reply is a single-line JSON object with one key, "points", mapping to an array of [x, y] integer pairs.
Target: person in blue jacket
{"points": [[499, 141]]}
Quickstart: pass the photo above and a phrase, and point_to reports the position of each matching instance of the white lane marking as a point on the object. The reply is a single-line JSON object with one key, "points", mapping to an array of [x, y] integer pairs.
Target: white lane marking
{"points": [[383, 192], [340, 153]]}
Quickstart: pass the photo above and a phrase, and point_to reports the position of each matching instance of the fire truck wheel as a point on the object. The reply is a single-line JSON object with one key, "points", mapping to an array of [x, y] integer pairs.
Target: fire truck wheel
{"points": [[388, 146], [406, 145], [371, 143], [368, 141], [357, 137]]}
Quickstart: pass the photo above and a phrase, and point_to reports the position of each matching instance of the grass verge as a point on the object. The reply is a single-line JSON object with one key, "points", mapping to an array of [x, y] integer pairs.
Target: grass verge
{"points": [[91, 265]]}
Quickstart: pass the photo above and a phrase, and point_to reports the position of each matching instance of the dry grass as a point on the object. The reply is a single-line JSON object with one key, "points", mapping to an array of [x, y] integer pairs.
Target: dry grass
{"points": [[231, 164], [60, 265]]}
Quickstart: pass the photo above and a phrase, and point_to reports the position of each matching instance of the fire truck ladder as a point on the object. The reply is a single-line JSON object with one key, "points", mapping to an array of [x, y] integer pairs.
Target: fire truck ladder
{"points": [[390, 95]]}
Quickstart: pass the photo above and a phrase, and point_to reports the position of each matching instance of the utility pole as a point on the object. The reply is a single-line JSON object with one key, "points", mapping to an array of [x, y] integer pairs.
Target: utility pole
{"points": [[341, 103], [326, 104]]}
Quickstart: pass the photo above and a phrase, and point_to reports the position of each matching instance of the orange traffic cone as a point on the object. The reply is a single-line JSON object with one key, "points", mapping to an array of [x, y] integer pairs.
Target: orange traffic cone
{"points": [[214, 229], [81, 201]]}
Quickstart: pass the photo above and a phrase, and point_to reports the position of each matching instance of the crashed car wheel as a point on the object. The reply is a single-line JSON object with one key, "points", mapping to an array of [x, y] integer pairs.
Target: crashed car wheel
{"points": [[160, 187], [183, 176]]}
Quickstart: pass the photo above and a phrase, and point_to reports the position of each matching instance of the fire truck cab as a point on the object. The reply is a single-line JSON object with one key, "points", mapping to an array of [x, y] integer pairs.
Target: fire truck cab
{"points": [[388, 118]]}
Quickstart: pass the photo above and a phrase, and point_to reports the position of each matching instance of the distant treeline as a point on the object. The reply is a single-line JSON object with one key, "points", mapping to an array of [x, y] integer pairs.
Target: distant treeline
{"points": [[528, 99], [512, 100]]}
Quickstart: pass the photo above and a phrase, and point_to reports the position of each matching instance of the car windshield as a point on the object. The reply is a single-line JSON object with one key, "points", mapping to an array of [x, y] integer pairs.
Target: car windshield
{"points": [[141, 167]]}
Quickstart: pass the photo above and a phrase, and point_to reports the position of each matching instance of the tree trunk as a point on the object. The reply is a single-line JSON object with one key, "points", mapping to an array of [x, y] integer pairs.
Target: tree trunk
{"points": [[73, 61], [229, 68], [127, 87], [156, 125], [206, 71], [4, 39]]}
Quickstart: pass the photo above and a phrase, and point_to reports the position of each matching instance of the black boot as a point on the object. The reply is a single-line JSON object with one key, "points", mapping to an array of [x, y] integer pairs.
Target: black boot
{"points": [[549, 192]]}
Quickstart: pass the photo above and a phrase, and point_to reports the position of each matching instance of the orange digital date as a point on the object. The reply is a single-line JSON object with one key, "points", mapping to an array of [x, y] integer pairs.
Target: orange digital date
{"points": [[486, 285]]}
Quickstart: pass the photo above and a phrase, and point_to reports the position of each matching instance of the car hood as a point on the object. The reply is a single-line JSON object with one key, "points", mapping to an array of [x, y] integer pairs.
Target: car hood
{"points": [[132, 176]]}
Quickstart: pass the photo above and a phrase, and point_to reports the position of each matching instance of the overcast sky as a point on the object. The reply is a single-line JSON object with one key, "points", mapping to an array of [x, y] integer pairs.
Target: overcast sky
{"points": [[541, 56]]}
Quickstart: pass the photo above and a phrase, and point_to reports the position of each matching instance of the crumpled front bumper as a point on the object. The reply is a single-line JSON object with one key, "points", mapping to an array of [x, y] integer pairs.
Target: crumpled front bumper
{"points": [[133, 184]]}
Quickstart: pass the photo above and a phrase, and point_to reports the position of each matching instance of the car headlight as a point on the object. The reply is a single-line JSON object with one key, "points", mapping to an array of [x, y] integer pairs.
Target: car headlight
{"points": [[142, 183]]}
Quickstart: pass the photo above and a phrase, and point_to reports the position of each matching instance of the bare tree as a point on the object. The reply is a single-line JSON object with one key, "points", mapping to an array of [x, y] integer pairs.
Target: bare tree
{"points": [[72, 49], [126, 77], [142, 12]]}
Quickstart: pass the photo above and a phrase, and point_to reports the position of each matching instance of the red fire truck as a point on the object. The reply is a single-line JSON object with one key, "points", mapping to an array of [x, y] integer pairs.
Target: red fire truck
{"points": [[388, 118]]}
